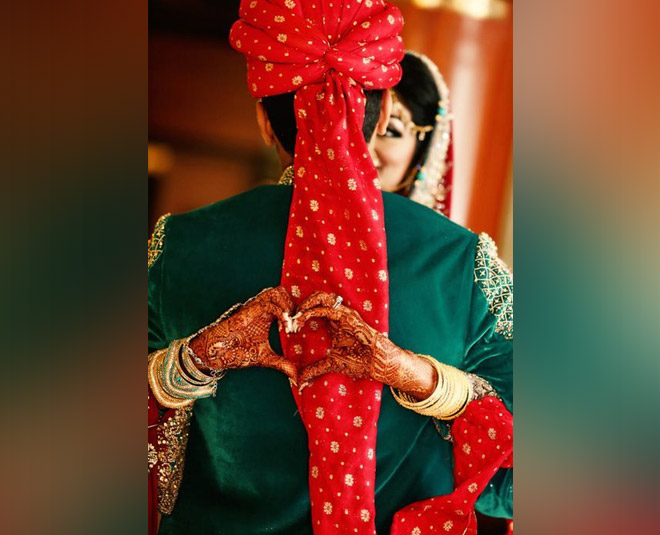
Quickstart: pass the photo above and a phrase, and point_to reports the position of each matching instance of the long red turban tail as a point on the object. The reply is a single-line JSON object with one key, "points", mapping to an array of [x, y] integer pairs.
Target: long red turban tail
{"points": [[328, 52]]}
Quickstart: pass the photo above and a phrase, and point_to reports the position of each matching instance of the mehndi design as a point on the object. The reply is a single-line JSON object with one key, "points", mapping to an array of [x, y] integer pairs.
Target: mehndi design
{"points": [[241, 340], [360, 351]]}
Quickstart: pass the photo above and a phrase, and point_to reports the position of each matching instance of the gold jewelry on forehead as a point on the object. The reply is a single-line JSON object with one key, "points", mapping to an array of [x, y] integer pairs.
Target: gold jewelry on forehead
{"points": [[406, 117], [427, 181]]}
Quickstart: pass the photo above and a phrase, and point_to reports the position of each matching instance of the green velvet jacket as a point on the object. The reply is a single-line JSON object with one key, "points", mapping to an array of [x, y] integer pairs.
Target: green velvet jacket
{"points": [[246, 468]]}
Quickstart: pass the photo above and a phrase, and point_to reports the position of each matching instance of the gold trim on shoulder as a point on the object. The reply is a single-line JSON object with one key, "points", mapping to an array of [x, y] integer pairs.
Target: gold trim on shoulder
{"points": [[496, 282], [157, 241]]}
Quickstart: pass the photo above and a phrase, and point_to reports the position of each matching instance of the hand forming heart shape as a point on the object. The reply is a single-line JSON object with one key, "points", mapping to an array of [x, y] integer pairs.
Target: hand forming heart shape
{"points": [[357, 350]]}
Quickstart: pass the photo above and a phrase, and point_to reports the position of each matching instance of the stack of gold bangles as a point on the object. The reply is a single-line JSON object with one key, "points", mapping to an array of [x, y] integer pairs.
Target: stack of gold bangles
{"points": [[450, 397], [175, 380]]}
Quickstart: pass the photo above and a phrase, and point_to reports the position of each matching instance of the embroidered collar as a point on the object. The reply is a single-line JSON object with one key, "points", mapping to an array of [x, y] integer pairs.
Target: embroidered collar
{"points": [[287, 177]]}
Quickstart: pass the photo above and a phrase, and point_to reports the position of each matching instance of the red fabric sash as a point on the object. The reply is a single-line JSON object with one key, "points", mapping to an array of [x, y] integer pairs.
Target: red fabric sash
{"points": [[483, 443], [327, 52]]}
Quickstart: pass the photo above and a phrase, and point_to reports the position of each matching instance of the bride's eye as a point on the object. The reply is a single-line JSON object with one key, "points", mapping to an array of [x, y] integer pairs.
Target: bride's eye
{"points": [[392, 132], [395, 128]]}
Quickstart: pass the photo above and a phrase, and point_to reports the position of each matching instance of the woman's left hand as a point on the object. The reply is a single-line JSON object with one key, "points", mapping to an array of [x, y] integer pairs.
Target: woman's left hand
{"points": [[361, 352]]}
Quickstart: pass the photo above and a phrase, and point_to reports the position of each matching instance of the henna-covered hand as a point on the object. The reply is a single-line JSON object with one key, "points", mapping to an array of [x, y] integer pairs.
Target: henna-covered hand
{"points": [[360, 351], [241, 340]]}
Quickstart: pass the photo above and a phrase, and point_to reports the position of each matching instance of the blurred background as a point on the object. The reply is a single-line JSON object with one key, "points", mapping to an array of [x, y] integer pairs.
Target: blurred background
{"points": [[204, 145]]}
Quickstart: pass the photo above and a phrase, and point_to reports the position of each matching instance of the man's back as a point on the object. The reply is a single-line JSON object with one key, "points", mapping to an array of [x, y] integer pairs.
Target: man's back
{"points": [[246, 462]]}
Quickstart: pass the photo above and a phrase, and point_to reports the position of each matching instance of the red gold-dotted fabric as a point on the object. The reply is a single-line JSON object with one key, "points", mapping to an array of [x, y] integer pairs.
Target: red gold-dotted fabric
{"points": [[483, 443], [329, 53]]}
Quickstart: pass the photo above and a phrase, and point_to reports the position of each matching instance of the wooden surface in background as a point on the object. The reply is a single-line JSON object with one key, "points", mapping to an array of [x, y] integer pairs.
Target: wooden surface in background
{"points": [[198, 94], [200, 109]]}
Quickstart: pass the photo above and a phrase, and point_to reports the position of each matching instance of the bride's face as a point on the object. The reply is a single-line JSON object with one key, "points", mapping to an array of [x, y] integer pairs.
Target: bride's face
{"points": [[393, 152]]}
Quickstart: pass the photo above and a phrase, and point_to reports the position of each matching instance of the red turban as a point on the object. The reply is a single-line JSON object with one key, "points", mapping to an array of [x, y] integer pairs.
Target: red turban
{"points": [[328, 52]]}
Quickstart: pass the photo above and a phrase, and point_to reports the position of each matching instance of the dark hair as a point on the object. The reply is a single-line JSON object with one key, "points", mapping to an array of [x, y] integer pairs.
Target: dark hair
{"points": [[280, 111], [418, 91]]}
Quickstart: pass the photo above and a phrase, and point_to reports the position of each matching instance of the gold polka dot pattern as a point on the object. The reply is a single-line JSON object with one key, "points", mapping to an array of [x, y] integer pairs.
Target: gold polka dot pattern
{"points": [[483, 443], [336, 237]]}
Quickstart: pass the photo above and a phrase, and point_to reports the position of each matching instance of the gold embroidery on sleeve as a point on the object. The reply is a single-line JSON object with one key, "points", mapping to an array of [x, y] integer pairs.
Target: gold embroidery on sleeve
{"points": [[157, 241], [152, 455], [496, 282], [172, 441]]}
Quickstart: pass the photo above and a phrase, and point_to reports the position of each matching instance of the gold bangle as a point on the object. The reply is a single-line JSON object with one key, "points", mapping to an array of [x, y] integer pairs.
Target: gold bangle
{"points": [[174, 382], [187, 370], [192, 372], [187, 359], [153, 374], [461, 410], [168, 381], [461, 395], [422, 406], [449, 399]]}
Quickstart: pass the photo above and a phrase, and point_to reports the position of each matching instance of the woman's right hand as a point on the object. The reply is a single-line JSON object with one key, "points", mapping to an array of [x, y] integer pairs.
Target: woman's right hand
{"points": [[360, 351], [241, 340]]}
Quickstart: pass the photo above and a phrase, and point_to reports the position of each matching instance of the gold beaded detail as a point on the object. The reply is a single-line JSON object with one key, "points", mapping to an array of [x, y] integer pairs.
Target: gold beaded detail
{"points": [[157, 241], [152, 455], [172, 442], [496, 282], [287, 177]]}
